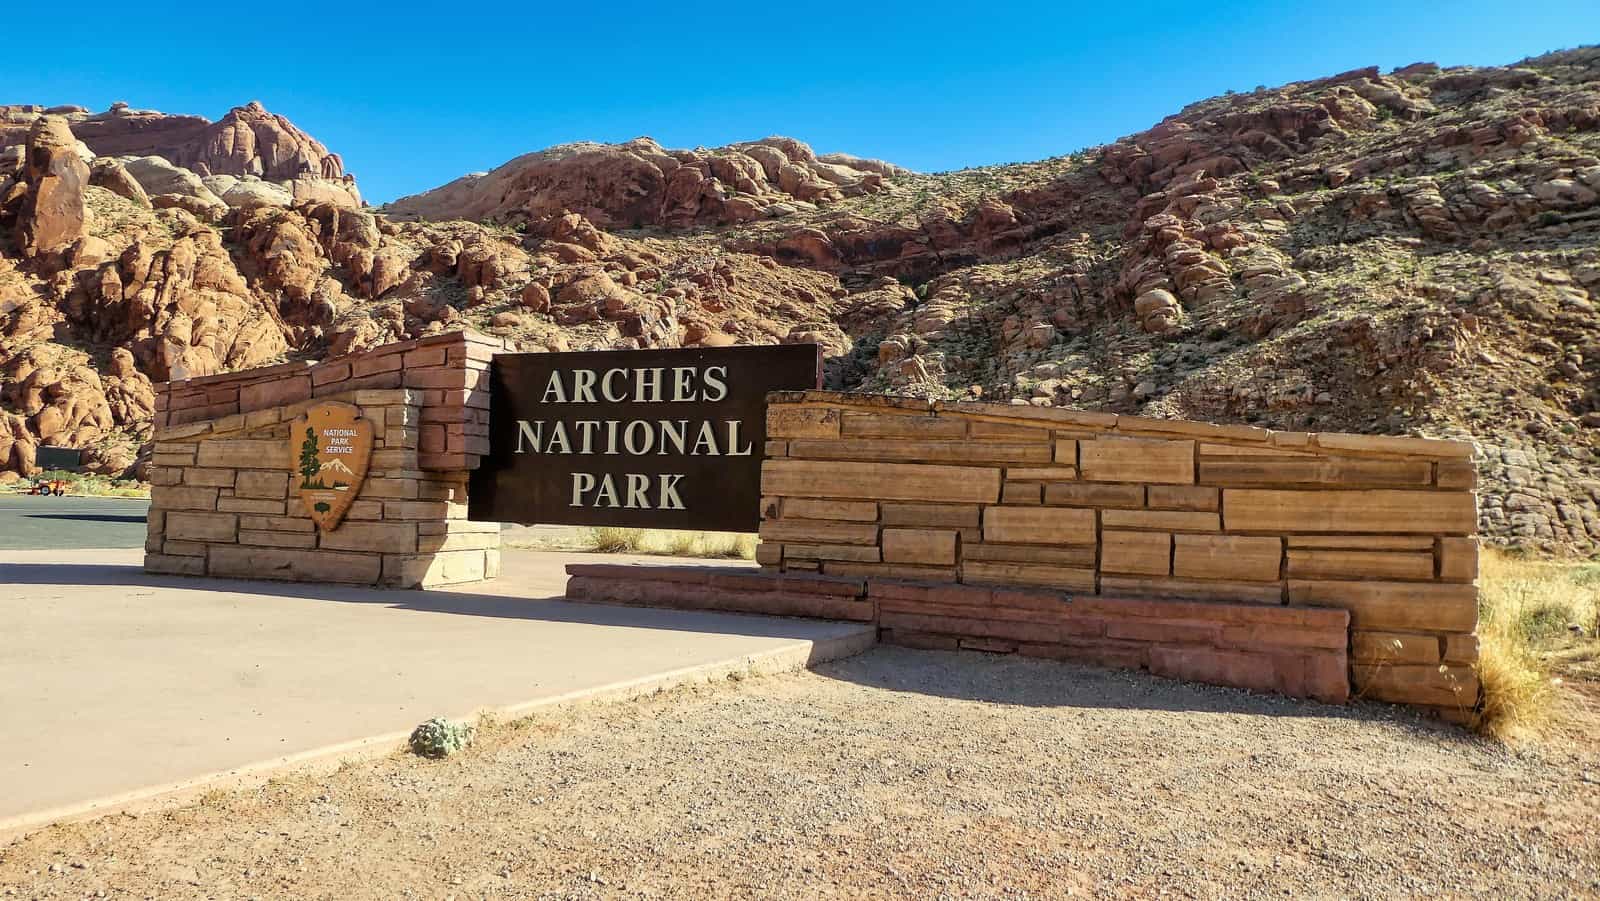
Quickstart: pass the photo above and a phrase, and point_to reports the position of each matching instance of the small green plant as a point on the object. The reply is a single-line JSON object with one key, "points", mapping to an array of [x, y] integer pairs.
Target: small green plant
{"points": [[440, 737]]}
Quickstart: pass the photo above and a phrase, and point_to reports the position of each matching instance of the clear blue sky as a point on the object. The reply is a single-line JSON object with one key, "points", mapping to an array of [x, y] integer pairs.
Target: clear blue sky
{"points": [[415, 94]]}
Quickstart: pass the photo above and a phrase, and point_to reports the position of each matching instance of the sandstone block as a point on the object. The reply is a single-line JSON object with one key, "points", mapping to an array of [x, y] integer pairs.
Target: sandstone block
{"points": [[1038, 525], [174, 548], [988, 430], [251, 505], [1443, 686], [802, 422], [277, 523], [1136, 460], [1459, 648], [851, 511], [242, 453], [202, 526], [389, 489], [1086, 494], [172, 497], [1184, 497], [208, 478], [385, 537], [991, 572], [1460, 474], [259, 484], [948, 516], [1072, 556], [1343, 564], [910, 450], [1021, 493], [819, 531], [244, 562], [858, 553], [926, 641], [1386, 444], [1169, 520], [1317, 471], [1433, 512], [277, 539], [174, 566], [273, 393], [1236, 557], [1041, 473], [1066, 451], [888, 425], [1138, 553], [769, 554], [919, 546], [1458, 559], [424, 570], [1394, 606], [422, 510], [881, 481], [889, 571], [1157, 587], [1393, 647], [1364, 542]]}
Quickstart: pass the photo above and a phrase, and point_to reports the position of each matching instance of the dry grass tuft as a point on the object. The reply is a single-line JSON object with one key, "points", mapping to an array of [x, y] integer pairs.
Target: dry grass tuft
{"points": [[1526, 610], [612, 540], [672, 542]]}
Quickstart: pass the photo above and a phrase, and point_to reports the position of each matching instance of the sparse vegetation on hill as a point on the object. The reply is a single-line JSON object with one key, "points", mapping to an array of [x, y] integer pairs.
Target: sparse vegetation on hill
{"points": [[1405, 252]]}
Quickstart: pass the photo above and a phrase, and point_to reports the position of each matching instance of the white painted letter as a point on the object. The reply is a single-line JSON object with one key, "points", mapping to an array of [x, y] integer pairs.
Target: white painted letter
{"points": [[715, 381], [581, 482], [605, 385], [583, 386], [554, 387], [529, 433], [669, 499]]}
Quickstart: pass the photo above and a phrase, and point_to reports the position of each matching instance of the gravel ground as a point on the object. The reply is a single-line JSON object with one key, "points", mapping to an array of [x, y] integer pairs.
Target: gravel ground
{"points": [[894, 774]]}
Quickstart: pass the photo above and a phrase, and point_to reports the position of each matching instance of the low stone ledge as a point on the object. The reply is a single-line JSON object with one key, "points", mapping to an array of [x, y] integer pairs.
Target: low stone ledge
{"points": [[1294, 651]]}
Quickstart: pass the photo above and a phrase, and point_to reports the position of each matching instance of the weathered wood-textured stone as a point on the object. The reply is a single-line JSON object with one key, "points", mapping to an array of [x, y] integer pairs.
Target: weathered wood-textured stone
{"points": [[927, 546], [1265, 510], [1236, 557], [1136, 460], [1137, 553], [885, 481], [1038, 525]]}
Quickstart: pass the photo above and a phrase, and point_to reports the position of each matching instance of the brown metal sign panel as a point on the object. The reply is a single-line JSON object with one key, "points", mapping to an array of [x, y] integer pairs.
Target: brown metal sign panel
{"points": [[664, 439], [329, 449]]}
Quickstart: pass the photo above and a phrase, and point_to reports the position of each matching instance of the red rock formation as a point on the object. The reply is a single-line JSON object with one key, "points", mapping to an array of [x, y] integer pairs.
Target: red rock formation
{"points": [[640, 183]]}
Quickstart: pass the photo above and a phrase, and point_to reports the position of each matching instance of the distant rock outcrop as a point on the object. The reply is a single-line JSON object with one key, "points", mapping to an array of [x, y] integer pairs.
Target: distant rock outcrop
{"points": [[641, 184]]}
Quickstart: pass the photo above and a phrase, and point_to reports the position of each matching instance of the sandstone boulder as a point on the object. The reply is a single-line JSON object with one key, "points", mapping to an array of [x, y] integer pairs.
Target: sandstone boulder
{"points": [[53, 213]]}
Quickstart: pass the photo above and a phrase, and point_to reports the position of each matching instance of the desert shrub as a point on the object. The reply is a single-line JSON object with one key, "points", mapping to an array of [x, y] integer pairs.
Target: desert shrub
{"points": [[613, 540], [1525, 607]]}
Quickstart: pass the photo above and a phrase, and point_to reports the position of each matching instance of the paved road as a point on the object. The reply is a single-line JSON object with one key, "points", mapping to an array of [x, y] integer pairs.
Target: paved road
{"points": [[71, 522], [123, 681]]}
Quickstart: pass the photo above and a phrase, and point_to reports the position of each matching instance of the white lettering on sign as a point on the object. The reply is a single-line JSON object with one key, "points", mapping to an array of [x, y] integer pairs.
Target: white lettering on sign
{"points": [[634, 437], [637, 492]]}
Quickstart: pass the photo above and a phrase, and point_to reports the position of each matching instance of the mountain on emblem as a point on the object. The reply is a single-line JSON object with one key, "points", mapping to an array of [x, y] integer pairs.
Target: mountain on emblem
{"points": [[329, 447]]}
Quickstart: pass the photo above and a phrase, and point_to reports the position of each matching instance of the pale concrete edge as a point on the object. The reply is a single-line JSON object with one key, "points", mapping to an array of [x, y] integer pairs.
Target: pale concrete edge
{"points": [[330, 758]]}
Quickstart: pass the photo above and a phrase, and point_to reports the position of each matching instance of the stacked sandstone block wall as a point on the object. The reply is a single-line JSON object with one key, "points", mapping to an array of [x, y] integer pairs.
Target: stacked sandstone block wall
{"points": [[221, 472], [448, 375], [1119, 507]]}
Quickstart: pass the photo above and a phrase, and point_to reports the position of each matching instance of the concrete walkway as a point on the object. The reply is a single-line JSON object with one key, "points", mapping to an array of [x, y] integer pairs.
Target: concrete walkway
{"points": [[119, 687]]}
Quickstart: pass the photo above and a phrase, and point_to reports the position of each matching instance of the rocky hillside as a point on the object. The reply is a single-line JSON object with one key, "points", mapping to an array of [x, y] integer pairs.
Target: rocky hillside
{"points": [[1412, 252]]}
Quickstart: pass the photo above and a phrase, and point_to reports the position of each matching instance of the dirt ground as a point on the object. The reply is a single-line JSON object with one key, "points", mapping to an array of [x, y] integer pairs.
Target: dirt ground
{"points": [[894, 774]]}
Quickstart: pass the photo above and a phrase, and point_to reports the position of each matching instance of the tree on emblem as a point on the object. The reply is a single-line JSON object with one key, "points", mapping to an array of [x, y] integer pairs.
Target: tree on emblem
{"points": [[310, 465]]}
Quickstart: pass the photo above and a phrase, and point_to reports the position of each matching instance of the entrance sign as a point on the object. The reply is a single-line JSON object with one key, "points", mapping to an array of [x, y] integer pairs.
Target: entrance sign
{"points": [[330, 446], [667, 439]]}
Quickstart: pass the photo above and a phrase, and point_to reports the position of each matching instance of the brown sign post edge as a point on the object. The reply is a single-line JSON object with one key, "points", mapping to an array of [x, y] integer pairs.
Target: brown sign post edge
{"points": [[665, 439]]}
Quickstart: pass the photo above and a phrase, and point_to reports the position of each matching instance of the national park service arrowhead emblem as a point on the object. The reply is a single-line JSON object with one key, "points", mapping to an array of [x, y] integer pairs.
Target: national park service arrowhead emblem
{"points": [[329, 449]]}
